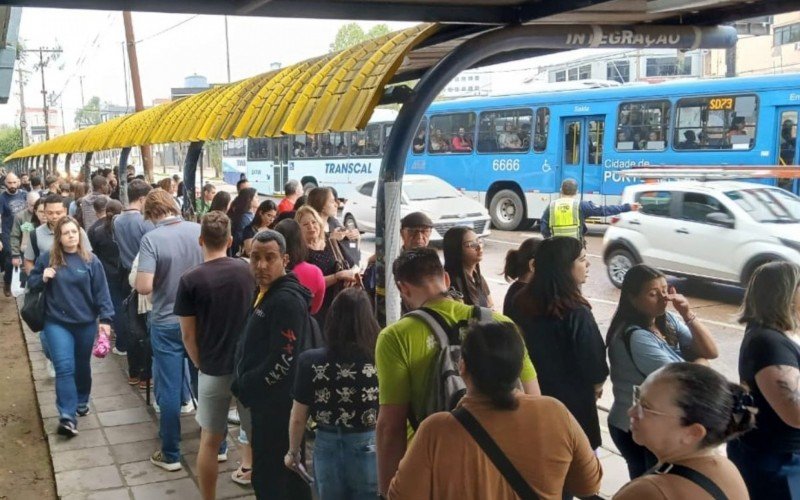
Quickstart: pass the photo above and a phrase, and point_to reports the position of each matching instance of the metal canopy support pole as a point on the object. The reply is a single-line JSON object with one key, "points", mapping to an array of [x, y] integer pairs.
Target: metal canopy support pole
{"points": [[468, 54], [85, 168], [123, 175], [67, 161], [38, 160], [189, 173], [54, 164]]}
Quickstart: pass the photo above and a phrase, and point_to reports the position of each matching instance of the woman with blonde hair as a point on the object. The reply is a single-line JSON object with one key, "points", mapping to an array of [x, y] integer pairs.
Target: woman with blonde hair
{"points": [[76, 296], [323, 254]]}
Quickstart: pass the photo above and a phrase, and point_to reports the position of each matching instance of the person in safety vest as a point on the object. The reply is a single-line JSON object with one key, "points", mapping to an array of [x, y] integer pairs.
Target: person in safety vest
{"points": [[566, 216]]}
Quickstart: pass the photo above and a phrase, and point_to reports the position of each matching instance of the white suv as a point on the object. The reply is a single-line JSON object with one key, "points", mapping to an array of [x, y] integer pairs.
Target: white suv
{"points": [[718, 230]]}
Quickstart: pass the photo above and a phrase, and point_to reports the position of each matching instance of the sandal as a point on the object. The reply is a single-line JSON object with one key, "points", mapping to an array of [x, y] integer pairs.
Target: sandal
{"points": [[133, 380], [143, 384], [242, 475]]}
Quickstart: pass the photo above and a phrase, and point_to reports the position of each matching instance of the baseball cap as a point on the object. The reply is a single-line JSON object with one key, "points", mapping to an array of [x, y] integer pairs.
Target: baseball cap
{"points": [[415, 219]]}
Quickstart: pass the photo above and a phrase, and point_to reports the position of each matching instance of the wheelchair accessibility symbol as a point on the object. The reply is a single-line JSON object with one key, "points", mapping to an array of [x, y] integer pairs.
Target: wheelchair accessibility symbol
{"points": [[546, 167]]}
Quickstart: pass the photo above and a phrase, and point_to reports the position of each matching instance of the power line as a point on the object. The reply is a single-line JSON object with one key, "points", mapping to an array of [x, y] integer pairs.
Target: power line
{"points": [[167, 29]]}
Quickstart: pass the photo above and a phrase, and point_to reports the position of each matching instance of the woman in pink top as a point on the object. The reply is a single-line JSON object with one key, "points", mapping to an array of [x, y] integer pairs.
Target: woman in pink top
{"points": [[309, 275]]}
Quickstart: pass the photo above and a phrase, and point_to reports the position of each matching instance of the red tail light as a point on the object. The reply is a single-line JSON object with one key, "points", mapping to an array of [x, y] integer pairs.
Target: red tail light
{"points": [[615, 219]]}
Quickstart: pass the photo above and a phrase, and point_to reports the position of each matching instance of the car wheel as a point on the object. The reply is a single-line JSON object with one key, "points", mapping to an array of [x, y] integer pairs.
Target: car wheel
{"points": [[507, 210], [349, 219], [619, 262]]}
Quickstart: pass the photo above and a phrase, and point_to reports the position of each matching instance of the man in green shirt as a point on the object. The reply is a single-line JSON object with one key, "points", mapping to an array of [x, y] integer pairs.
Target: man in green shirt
{"points": [[406, 352], [203, 203]]}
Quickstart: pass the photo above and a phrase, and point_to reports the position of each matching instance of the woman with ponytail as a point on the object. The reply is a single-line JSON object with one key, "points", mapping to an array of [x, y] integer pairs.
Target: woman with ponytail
{"points": [[537, 434], [682, 413], [518, 270]]}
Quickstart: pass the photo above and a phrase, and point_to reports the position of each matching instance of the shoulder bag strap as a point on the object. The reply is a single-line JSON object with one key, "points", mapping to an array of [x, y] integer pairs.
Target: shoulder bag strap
{"points": [[694, 476], [495, 454], [626, 339]]}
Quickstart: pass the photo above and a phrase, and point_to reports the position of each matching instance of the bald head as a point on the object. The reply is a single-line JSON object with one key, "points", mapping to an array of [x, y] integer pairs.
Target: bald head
{"points": [[32, 198], [12, 183]]}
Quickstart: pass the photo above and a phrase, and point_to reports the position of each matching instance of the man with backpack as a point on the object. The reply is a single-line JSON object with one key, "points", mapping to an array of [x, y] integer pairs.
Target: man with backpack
{"points": [[417, 370]]}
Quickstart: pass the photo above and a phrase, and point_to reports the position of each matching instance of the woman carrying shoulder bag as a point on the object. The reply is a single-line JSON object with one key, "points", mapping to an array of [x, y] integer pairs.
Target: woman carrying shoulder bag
{"points": [[76, 296]]}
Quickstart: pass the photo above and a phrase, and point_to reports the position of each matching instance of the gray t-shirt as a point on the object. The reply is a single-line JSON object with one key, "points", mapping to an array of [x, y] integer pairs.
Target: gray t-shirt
{"points": [[167, 252], [44, 240], [649, 353], [129, 228]]}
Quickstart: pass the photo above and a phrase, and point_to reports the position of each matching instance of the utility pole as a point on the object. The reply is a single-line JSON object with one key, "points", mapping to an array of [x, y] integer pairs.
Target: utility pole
{"points": [[227, 50], [23, 122], [130, 40], [125, 77], [42, 64], [83, 102]]}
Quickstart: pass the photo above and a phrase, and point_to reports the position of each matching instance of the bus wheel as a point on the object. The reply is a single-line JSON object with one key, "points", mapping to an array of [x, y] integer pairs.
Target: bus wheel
{"points": [[506, 210]]}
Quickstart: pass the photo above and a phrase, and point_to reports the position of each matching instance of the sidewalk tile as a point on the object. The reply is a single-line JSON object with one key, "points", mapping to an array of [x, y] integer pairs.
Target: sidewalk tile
{"points": [[132, 433], [135, 452], [97, 478], [118, 402], [228, 466], [180, 488], [137, 473], [226, 488], [86, 439], [82, 459], [124, 417], [84, 423], [115, 494], [113, 388]]}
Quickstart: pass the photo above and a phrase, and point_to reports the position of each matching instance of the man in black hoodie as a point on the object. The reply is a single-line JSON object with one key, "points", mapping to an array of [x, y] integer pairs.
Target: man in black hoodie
{"points": [[278, 326]]}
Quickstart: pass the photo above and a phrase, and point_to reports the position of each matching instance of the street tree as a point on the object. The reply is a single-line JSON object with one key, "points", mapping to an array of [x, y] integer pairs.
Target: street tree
{"points": [[10, 140], [352, 34], [89, 114]]}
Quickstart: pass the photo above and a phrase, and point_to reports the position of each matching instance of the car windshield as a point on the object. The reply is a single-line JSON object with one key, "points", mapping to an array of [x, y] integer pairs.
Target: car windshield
{"points": [[430, 189], [768, 204]]}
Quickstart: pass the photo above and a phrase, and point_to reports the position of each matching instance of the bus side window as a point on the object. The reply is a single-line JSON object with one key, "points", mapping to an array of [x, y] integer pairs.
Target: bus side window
{"points": [[541, 129], [716, 122], [453, 133], [506, 131], [643, 125]]}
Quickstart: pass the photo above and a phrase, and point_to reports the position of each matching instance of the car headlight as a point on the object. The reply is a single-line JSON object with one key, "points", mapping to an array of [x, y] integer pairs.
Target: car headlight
{"points": [[791, 244]]}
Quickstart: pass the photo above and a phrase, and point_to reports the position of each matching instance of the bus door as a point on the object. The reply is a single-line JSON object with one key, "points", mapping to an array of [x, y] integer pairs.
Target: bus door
{"points": [[280, 158], [788, 152], [582, 152]]}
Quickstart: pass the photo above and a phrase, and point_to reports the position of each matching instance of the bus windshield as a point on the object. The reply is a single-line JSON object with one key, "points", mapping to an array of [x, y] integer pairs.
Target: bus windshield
{"points": [[768, 205], [431, 189]]}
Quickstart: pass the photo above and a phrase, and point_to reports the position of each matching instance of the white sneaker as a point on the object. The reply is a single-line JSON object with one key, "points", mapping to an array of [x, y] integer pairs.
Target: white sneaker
{"points": [[233, 416], [118, 352], [156, 407], [222, 457], [51, 370], [187, 408], [158, 460]]}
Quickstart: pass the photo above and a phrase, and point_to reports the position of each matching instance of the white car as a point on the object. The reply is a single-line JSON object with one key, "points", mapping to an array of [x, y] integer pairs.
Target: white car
{"points": [[719, 230], [445, 205]]}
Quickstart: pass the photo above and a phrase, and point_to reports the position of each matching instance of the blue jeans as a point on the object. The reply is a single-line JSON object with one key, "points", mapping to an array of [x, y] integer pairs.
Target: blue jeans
{"points": [[170, 378], [70, 349], [345, 465], [769, 475], [43, 341]]}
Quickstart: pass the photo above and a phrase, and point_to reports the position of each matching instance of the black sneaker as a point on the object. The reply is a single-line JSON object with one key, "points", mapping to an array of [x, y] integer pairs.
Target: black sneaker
{"points": [[82, 412], [68, 429]]}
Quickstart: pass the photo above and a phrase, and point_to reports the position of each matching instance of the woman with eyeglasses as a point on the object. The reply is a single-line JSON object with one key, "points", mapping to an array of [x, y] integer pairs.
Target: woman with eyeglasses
{"points": [[769, 364], [644, 336], [76, 296], [682, 412], [561, 333], [263, 219], [463, 252]]}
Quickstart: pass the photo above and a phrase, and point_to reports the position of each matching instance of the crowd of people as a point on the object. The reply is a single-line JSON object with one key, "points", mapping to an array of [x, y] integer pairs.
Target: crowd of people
{"points": [[264, 308]]}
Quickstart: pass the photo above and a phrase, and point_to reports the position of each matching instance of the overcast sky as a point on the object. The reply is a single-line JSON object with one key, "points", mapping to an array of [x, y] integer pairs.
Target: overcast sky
{"points": [[171, 47]]}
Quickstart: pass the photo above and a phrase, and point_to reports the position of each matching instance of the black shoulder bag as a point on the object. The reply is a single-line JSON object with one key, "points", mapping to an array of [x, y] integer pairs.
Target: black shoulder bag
{"points": [[694, 476], [495, 454]]}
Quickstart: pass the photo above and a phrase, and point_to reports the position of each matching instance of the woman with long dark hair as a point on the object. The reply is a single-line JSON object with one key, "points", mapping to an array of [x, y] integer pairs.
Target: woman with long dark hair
{"points": [[518, 270], [101, 236], [537, 434], [76, 296], [643, 337], [221, 202], [561, 333], [309, 275], [338, 386], [241, 213], [264, 219], [682, 412], [463, 252], [769, 364]]}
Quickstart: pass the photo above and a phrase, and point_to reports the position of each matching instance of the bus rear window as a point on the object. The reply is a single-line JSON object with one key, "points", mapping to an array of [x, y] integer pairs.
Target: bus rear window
{"points": [[716, 122], [642, 126]]}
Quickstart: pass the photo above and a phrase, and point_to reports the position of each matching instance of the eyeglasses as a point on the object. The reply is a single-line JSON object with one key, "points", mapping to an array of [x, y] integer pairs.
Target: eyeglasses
{"points": [[474, 244], [414, 231], [641, 410]]}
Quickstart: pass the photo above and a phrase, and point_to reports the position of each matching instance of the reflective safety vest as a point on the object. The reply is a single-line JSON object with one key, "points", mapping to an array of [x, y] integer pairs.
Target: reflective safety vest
{"points": [[565, 217]]}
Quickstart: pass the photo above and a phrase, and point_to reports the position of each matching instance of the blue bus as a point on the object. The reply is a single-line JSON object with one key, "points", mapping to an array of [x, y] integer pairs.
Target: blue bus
{"points": [[512, 152]]}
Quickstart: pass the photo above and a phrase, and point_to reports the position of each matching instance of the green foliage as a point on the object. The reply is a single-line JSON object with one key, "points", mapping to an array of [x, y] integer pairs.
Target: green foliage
{"points": [[214, 151], [10, 140], [89, 114], [352, 34]]}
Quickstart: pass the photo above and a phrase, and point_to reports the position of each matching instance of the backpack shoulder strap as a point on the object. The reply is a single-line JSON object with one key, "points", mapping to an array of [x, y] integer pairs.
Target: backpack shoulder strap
{"points": [[495, 454], [626, 339], [694, 476], [435, 322], [34, 242]]}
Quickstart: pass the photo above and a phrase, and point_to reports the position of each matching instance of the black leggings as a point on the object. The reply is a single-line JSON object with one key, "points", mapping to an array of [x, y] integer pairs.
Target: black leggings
{"points": [[638, 458]]}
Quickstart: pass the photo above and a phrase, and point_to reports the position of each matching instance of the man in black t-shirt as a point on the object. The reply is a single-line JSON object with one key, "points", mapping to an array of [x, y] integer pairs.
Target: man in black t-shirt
{"points": [[212, 302]]}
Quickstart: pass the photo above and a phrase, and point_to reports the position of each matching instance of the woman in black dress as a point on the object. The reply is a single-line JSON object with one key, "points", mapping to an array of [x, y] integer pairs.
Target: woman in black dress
{"points": [[560, 332]]}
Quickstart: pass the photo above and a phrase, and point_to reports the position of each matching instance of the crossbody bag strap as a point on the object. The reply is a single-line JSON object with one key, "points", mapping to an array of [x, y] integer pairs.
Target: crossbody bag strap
{"points": [[694, 476], [495, 454]]}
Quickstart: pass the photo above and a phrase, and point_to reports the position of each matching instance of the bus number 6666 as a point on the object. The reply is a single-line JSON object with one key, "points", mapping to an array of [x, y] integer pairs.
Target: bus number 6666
{"points": [[505, 165]]}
